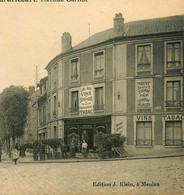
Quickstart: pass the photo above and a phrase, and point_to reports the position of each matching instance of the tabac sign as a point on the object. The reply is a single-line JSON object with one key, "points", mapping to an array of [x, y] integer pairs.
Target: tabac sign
{"points": [[86, 100], [173, 117]]}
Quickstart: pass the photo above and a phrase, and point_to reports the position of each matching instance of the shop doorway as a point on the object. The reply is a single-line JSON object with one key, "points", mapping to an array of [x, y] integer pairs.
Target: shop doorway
{"points": [[87, 134]]}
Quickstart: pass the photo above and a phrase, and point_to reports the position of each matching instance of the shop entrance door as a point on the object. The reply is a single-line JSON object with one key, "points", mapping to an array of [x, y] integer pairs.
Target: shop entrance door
{"points": [[87, 135]]}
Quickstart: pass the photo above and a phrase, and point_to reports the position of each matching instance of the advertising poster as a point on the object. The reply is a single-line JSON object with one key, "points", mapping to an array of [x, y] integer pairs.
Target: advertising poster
{"points": [[91, 97]]}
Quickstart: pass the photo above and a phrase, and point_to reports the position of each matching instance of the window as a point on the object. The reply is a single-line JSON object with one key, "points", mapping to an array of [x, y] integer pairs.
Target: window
{"points": [[99, 64], [39, 137], [173, 135], [44, 115], [49, 80], [49, 108], [173, 55], [74, 69], [55, 76], [40, 117], [55, 132], [54, 112], [144, 59], [74, 101], [173, 94], [144, 134], [99, 103], [43, 135]]}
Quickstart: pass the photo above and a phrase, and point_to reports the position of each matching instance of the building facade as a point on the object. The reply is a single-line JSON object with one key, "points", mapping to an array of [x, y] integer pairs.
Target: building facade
{"points": [[127, 79], [42, 110], [30, 131]]}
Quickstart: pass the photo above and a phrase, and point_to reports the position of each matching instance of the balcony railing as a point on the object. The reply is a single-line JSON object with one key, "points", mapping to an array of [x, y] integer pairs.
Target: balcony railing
{"points": [[43, 123], [74, 77], [174, 103], [74, 109], [144, 142], [99, 107], [173, 142]]}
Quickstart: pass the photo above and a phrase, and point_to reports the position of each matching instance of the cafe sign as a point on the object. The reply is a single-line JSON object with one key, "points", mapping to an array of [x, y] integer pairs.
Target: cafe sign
{"points": [[86, 100]]}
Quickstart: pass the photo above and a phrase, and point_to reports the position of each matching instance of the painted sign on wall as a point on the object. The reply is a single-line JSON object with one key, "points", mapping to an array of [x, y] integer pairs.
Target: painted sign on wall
{"points": [[120, 125], [86, 100], [144, 93], [173, 117]]}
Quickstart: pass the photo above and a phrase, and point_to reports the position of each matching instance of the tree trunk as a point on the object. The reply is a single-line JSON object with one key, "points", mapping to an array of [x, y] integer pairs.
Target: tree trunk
{"points": [[9, 149], [13, 138]]}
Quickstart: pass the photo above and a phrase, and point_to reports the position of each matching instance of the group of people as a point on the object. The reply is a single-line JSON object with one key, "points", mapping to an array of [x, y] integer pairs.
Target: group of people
{"points": [[14, 153], [82, 147]]}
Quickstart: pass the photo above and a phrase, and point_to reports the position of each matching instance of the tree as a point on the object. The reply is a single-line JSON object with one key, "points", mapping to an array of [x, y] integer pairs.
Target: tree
{"points": [[13, 112]]}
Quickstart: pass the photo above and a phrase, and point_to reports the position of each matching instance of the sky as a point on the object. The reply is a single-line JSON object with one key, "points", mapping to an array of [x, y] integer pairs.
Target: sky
{"points": [[30, 32]]}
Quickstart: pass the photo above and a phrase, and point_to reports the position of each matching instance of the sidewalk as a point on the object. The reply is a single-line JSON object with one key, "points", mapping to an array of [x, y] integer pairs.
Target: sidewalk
{"points": [[29, 159]]}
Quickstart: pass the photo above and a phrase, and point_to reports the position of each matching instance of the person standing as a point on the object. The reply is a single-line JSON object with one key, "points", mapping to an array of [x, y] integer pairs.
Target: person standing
{"points": [[15, 155], [72, 149], [63, 150], [84, 148]]}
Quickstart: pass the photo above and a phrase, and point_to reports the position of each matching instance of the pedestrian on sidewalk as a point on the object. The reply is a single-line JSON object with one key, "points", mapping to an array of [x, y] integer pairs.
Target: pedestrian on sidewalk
{"points": [[72, 149], [84, 148], [42, 151], [0, 151], [15, 154], [64, 151]]}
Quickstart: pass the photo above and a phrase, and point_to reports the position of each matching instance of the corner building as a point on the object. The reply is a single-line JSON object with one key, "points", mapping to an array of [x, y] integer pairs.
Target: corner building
{"points": [[127, 79]]}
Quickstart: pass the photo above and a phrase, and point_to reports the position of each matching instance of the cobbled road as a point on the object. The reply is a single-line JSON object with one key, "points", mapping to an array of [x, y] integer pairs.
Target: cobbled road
{"points": [[79, 178]]}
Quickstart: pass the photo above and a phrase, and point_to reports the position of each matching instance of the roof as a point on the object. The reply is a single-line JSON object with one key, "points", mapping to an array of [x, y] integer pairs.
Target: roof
{"points": [[42, 81], [131, 29], [136, 28]]}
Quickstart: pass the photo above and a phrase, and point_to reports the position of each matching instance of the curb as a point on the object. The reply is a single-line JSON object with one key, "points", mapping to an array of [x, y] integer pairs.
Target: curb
{"points": [[101, 160]]}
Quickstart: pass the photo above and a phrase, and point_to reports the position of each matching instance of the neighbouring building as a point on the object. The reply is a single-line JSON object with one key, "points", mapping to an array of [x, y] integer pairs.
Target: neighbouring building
{"points": [[30, 131], [42, 110], [128, 79]]}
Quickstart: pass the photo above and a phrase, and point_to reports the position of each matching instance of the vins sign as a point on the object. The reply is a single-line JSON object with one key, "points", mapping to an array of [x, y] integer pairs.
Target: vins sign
{"points": [[86, 101]]}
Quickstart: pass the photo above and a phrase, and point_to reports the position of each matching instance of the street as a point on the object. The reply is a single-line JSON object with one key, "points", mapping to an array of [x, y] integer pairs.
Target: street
{"points": [[153, 176]]}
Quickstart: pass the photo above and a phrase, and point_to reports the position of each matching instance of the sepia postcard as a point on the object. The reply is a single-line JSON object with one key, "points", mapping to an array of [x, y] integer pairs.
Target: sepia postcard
{"points": [[91, 97]]}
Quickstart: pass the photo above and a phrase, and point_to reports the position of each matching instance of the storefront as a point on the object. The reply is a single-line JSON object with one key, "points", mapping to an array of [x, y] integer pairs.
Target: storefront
{"points": [[79, 129]]}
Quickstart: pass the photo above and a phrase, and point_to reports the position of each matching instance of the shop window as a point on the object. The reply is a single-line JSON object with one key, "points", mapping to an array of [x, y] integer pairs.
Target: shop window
{"points": [[99, 64], [173, 56], [173, 133], [144, 59], [74, 63], [144, 134], [43, 135], [74, 102], [39, 137], [99, 102], [173, 94]]}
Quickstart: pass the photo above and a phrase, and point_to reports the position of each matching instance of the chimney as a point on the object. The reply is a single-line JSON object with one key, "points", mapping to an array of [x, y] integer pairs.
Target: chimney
{"points": [[31, 89], [66, 42], [118, 24]]}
